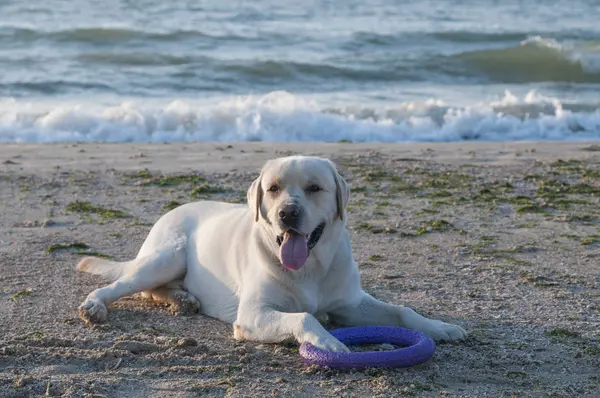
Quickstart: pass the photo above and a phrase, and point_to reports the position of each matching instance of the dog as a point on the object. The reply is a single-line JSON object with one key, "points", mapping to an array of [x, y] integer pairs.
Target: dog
{"points": [[270, 267]]}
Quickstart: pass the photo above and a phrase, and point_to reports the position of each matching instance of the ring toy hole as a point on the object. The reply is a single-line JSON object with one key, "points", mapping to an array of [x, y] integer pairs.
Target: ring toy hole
{"points": [[416, 348]]}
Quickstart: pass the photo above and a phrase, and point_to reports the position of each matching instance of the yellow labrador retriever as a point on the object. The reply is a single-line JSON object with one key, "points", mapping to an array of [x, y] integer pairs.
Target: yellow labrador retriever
{"points": [[268, 268]]}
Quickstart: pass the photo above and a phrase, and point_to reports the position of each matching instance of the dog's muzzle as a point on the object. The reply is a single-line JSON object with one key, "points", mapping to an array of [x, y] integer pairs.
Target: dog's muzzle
{"points": [[290, 216]]}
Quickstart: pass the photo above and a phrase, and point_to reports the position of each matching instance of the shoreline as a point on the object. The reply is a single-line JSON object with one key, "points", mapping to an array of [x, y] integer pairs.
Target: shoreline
{"points": [[250, 155]]}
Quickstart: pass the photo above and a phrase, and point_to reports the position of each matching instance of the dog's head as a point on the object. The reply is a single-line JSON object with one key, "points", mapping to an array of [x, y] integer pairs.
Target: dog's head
{"points": [[297, 198]]}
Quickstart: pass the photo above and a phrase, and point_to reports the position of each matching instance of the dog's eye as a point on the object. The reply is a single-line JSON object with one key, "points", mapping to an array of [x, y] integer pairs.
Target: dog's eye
{"points": [[274, 188], [314, 188]]}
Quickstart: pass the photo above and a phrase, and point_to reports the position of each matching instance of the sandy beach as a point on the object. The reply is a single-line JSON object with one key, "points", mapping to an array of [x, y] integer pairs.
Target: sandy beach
{"points": [[501, 238]]}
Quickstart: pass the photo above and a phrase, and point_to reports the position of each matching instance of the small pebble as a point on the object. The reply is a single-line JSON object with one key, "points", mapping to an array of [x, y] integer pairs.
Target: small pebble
{"points": [[386, 346], [187, 342]]}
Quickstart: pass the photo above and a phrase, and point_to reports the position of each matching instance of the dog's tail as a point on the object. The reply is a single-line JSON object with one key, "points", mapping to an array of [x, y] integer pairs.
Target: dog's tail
{"points": [[112, 270]]}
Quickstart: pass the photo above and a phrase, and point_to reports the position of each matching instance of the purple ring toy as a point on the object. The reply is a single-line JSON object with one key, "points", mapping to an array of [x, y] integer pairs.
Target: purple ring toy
{"points": [[417, 348]]}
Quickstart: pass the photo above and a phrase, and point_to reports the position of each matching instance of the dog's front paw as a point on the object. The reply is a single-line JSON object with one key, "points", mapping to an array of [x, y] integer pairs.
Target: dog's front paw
{"points": [[92, 311], [439, 330], [328, 343]]}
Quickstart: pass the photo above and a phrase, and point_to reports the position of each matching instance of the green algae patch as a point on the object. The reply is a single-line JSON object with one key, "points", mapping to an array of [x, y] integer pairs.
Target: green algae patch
{"points": [[85, 207], [66, 246]]}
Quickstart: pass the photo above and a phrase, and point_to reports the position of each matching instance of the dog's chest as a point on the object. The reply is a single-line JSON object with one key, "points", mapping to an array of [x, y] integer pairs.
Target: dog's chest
{"points": [[304, 298]]}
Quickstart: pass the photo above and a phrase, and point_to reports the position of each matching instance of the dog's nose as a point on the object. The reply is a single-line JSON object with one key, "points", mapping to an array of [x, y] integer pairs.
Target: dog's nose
{"points": [[290, 215]]}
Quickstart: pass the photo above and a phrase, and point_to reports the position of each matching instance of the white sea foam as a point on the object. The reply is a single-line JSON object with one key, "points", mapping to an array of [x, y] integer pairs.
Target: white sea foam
{"points": [[281, 116]]}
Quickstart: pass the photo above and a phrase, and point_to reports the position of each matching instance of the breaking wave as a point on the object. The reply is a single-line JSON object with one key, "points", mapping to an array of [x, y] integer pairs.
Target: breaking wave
{"points": [[282, 116], [538, 60]]}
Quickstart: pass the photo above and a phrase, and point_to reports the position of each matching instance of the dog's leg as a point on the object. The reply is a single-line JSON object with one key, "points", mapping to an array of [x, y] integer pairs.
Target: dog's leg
{"points": [[269, 326], [180, 301], [144, 273], [370, 311]]}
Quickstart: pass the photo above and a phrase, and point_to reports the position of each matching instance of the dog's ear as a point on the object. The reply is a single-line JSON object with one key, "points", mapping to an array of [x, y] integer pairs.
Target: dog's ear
{"points": [[342, 191], [255, 196]]}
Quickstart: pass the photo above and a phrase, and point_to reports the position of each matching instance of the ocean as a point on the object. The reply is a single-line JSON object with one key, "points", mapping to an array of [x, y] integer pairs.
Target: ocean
{"points": [[313, 70]]}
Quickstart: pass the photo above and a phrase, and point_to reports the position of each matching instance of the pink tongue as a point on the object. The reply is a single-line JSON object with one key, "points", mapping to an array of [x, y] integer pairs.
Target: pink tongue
{"points": [[294, 251]]}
